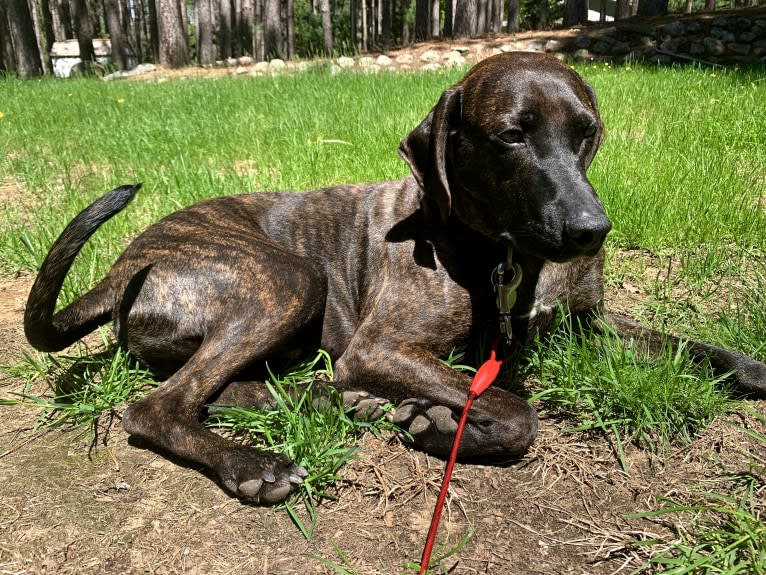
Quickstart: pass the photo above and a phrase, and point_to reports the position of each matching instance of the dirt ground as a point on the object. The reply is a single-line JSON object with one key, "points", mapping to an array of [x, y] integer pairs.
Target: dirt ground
{"points": [[124, 509]]}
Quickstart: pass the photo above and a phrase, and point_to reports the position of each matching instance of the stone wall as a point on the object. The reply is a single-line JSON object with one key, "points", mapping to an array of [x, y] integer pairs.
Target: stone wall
{"points": [[737, 37]]}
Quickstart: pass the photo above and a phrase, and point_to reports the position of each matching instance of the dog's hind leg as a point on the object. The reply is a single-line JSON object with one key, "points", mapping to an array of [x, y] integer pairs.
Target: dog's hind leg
{"points": [[228, 324], [169, 418]]}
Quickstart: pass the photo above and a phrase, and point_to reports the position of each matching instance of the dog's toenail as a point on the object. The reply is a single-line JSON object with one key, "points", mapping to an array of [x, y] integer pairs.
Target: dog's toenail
{"points": [[268, 476]]}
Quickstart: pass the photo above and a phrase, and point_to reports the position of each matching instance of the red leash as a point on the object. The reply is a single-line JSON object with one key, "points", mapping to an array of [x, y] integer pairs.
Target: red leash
{"points": [[484, 377]]}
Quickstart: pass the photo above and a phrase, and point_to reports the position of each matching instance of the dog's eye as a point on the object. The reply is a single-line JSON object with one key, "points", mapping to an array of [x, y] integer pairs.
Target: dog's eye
{"points": [[591, 131], [513, 136]]}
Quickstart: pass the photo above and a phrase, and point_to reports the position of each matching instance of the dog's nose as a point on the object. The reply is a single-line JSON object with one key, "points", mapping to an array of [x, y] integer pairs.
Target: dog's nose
{"points": [[587, 232]]}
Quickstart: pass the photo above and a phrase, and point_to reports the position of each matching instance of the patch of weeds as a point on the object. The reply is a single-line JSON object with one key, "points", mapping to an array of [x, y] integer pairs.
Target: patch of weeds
{"points": [[309, 425], [441, 554], [83, 386], [600, 382], [721, 533], [746, 331]]}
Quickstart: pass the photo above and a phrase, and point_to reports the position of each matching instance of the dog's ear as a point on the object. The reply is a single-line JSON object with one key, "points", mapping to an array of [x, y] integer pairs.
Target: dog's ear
{"points": [[594, 104], [425, 149]]}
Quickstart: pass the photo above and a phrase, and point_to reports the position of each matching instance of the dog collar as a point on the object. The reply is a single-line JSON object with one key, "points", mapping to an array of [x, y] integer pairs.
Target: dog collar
{"points": [[506, 278]]}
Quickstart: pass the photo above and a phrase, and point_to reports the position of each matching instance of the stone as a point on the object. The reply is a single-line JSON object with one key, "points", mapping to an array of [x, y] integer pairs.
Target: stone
{"points": [[455, 59], [554, 46], [620, 48], [602, 46], [741, 49], [747, 37], [383, 61], [508, 48], [430, 56], [277, 65], [460, 49], [674, 29], [696, 49], [345, 62], [582, 55], [713, 46], [261, 67], [431, 67], [583, 41], [245, 61], [536, 46], [693, 27], [366, 61], [404, 59]]}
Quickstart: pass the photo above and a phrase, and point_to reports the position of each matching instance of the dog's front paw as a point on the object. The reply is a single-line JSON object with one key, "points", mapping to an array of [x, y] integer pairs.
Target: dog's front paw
{"points": [[431, 426], [261, 477]]}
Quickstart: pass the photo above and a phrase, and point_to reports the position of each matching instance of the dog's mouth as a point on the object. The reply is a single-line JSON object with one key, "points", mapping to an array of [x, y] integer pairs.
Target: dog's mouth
{"points": [[552, 249]]}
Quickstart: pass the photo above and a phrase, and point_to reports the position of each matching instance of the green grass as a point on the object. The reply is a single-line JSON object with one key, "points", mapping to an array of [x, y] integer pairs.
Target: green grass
{"points": [[682, 173], [717, 533], [81, 387], [597, 382], [309, 425]]}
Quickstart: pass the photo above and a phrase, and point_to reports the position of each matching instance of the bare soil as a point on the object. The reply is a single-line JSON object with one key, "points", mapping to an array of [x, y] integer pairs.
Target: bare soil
{"points": [[119, 508]]}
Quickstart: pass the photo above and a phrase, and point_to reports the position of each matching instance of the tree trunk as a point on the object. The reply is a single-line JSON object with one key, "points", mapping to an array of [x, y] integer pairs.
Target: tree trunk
{"points": [[421, 20], [139, 30], [622, 10], [353, 13], [290, 21], [174, 49], [224, 29], [272, 29], [544, 12], [7, 55], [154, 33], [327, 44], [575, 12], [709, 5], [688, 7], [22, 33], [246, 23], [205, 47], [84, 32], [652, 7], [449, 18], [116, 36], [497, 15], [513, 16], [435, 14], [465, 19], [364, 25], [480, 26], [385, 24]]}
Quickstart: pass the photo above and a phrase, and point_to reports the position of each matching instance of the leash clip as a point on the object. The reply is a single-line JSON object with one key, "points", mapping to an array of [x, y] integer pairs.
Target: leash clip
{"points": [[506, 278]]}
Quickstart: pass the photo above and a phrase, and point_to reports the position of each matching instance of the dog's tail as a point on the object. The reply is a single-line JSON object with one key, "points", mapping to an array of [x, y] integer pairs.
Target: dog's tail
{"points": [[49, 332]]}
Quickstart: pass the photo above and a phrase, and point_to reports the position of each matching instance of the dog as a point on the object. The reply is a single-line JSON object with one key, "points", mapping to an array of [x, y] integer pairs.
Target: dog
{"points": [[388, 277]]}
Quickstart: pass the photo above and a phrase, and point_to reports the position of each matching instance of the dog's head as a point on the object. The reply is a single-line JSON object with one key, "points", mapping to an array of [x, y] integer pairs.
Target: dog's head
{"points": [[506, 150]]}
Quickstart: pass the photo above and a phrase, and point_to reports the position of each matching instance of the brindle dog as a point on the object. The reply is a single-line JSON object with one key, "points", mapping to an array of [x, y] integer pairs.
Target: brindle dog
{"points": [[388, 277]]}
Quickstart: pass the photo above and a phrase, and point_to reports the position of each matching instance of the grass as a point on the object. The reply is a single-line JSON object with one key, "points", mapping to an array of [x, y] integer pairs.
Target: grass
{"points": [[682, 173], [597, 382], [309, 425], [719, 533], [82, 387]]}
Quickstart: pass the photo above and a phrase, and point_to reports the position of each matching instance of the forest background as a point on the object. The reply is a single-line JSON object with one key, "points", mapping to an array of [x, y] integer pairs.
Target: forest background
{"points": [[178, 33]]}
